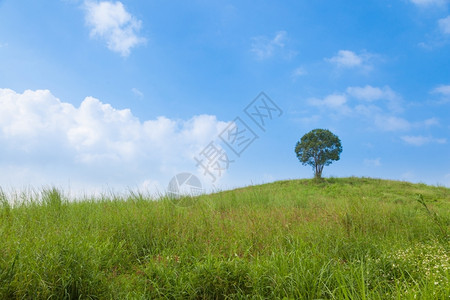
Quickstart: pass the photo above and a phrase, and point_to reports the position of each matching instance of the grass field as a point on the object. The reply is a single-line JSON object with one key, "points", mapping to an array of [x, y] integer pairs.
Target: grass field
{"points": [[343, 238]]}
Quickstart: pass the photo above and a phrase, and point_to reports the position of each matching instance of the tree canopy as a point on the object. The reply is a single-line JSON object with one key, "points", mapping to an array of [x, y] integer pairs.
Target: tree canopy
{"points": [[318, 148]]}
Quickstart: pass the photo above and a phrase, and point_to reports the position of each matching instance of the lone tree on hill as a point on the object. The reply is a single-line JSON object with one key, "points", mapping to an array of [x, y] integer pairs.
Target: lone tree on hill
{"points": [[318, 148]]}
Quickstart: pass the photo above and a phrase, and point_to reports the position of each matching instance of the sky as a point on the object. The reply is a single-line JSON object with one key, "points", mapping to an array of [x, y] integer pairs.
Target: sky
{"points": [[99, 96]]}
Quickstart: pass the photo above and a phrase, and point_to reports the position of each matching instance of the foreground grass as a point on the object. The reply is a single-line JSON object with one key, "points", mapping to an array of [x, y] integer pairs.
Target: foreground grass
{"points": [[348, 238]]}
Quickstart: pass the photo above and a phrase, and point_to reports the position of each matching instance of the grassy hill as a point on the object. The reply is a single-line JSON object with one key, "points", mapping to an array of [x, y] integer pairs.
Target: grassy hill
{"points": [[344, 238]]}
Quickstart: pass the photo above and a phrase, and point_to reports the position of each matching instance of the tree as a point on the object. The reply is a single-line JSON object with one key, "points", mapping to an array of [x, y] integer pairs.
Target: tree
{"points": [[318, 148]]}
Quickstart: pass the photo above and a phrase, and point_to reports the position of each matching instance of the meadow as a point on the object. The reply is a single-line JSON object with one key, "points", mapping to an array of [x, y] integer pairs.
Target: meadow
{"points": [[341, 238]]}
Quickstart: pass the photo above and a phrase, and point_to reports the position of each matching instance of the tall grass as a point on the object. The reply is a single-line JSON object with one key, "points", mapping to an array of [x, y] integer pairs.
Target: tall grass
{"points": [[344, 238]]}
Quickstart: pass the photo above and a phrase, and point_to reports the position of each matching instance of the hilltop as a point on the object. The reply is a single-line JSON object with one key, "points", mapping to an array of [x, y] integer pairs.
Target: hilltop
{"points": [[344, 238]]}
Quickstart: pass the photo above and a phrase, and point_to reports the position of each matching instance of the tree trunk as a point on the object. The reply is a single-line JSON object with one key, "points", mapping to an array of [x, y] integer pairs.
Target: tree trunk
{"points": [[318, 171]]}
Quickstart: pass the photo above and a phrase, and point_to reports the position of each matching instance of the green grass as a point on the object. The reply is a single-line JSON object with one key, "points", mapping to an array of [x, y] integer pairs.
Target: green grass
{"points": [[343, 238]]}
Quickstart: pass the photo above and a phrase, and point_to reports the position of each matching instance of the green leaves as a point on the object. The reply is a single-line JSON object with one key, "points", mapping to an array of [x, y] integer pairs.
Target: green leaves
{"points": [[318, 148]]}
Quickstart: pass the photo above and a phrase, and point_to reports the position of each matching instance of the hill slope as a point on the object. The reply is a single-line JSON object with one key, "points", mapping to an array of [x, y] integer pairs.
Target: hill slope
{"points": [[343, 238]]}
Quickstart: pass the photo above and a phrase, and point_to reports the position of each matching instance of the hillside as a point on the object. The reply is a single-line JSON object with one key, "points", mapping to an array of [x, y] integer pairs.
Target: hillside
{"points": [[344, 238]]}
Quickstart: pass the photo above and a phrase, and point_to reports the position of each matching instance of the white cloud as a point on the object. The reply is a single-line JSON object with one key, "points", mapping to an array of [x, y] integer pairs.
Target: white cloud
{"points": [[422, 140], [300, 71], [372, 94], [111, 22], [444, 24], [367, 111], [429, 122], [391, 123], [307, 121], [428, 2], [369, 93], [372, 162], [264, 47], [380, 106], [346, 58], [349, 59], [137, 92], [333, 102], [45, 140], [444, 90]]}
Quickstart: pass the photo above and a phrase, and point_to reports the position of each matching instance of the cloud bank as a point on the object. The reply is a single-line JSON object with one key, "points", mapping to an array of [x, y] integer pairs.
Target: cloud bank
{"points": [[46, 141]]}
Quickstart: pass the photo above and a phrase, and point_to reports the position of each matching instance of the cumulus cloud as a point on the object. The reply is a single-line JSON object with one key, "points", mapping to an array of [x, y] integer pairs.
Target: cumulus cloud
{"points": [[346, 58], [111, 22], [264, 47], [372, 94], [349, 59], [95, 142], [420, 140]]}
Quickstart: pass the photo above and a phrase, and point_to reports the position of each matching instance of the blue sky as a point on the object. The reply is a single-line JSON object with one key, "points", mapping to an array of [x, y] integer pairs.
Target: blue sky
{"points": [[110, 95]]}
